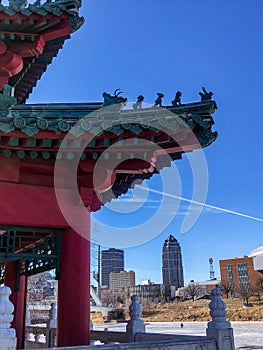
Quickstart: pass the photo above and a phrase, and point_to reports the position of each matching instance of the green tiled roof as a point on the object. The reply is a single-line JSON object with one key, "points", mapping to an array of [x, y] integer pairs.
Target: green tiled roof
{"points": [[55, 7], [37, 130], [20, 24], [31, 119], [34, 132]]}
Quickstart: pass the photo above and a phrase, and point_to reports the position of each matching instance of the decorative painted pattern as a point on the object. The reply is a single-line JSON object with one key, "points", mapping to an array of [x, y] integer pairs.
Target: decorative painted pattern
{"points": [[23, 126]]}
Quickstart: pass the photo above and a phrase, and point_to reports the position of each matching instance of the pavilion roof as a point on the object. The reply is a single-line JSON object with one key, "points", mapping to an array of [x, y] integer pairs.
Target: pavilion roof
{"points": [[31, 119], [139, 138], [50, 23]]}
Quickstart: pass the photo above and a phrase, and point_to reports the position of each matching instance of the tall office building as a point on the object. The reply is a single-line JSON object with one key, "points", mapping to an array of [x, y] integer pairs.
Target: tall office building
{"points": [[172, 266], [112, 260]]}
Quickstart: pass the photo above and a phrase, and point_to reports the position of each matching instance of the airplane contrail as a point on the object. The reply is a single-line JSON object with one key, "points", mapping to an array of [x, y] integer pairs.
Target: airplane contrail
{"points": [[200, 203]]}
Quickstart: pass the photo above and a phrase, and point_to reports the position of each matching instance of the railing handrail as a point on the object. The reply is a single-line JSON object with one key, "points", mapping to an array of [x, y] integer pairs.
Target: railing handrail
{"points": [[140, 337], [121, 337], [169, 344], [109, 337]]}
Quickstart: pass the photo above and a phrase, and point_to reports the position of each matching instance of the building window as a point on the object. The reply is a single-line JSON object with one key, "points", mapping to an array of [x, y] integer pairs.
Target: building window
{"points": [[230, 273], [230, 279], [242, 273]]}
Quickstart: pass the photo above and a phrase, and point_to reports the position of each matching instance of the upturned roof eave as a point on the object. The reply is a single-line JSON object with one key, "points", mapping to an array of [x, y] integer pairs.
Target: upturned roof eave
{"points": [[91, 117], [55, 22]]}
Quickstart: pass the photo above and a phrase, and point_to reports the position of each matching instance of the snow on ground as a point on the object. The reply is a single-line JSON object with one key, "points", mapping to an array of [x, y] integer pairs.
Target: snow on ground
{"points": [[248, 335]]}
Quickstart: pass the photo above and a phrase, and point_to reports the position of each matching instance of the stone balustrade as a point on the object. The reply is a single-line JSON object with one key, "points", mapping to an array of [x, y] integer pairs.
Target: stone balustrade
{"points": [[41, 336], [152, 345], [219, 334]]}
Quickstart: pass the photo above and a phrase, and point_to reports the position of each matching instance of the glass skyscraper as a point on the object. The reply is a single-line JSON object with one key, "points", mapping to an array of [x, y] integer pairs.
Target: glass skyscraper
{"points": [[112, 260], [172, 266]]}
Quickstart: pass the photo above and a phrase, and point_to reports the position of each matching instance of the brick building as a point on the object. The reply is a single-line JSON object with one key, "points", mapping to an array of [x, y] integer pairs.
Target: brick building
{"points": [[242, 270]]}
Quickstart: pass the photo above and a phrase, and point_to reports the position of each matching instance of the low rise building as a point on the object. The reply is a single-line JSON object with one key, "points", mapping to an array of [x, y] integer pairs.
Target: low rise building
{"points": [[246, 270], [152, 292], [121, 280], [203, 288]]}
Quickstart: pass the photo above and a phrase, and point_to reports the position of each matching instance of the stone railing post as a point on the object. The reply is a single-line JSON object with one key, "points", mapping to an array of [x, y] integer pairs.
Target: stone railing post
{"points": [[37, 338], [220, 329], [28, 317], [28, 322], [135, 324], [53, 316], [51, 337], [7, 334]]}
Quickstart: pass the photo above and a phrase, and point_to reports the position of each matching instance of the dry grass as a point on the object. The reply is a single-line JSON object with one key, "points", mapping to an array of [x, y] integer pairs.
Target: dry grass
{"points": [[199, 311], [194, 311]]}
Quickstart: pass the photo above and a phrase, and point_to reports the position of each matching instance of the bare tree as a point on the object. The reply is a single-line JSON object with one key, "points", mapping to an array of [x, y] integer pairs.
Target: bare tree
{"points": [[158, 294], [41, 287], [258, 287], [246, 290], [226, 287], [109, 298], [194, 290]]}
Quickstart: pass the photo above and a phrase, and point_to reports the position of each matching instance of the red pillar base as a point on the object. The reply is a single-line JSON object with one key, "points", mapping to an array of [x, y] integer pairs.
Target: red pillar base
{"points": [[19, 301], [74, 290]]}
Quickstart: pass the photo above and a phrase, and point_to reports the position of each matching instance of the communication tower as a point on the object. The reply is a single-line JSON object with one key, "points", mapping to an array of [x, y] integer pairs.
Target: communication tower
{"points": [[212, 272]]}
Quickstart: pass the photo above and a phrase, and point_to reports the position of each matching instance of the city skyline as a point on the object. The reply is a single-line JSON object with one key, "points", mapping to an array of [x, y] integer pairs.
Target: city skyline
{"points": [[142, 277], [149, 47]]}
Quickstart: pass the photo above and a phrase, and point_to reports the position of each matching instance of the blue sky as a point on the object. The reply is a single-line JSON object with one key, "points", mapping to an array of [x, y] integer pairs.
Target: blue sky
{"points": [[150, 46]]}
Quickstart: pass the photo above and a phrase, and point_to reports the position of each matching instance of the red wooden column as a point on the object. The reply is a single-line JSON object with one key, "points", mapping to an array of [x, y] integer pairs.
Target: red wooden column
{"points": [[74, 290], [18, 299]]}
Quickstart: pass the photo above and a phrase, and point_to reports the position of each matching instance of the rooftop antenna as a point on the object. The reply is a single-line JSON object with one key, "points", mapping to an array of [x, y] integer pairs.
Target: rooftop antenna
{"points": [[212, 272]]}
